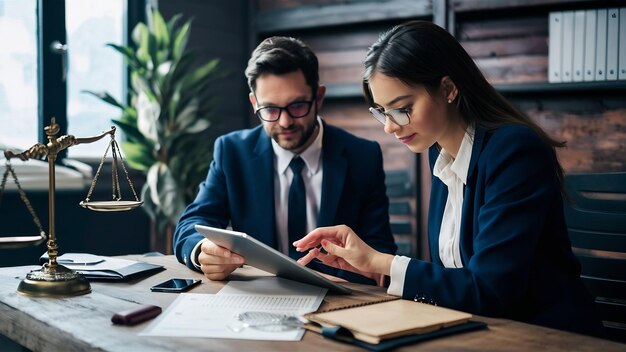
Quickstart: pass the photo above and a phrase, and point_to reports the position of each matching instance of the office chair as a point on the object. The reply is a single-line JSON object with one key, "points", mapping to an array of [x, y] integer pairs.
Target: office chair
{"points": [[400, 190], [596, 221]]}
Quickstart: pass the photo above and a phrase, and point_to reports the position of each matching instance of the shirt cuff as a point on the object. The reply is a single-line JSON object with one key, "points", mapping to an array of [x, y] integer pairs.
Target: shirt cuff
{"points": [[399, 266], [195, 252]]}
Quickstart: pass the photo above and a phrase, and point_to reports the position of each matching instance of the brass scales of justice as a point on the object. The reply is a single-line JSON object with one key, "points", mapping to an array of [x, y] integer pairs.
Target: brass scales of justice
{"points": [[53, 279]]}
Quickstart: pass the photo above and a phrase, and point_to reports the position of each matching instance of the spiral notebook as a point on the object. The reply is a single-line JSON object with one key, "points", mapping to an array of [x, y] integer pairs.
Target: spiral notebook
{"points": [[395, 321]]}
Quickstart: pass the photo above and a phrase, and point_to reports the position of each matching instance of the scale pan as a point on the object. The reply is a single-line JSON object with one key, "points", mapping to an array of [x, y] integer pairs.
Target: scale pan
{"points": [[21, 241], [111, 205]]}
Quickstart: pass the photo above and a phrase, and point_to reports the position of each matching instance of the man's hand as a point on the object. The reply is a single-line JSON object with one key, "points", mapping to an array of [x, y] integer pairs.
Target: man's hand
{"points": [[218, 262]]}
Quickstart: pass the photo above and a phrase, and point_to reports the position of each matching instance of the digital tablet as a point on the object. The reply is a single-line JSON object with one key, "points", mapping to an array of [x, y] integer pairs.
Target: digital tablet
{"points": [[264, 257]]}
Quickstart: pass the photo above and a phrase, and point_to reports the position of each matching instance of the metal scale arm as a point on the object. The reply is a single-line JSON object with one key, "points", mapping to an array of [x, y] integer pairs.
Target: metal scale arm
{"points": [[50, 151]]}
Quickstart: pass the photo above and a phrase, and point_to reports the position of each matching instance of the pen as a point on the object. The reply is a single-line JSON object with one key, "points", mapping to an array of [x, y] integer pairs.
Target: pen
{"points": [[321, 249], [72, 262]]}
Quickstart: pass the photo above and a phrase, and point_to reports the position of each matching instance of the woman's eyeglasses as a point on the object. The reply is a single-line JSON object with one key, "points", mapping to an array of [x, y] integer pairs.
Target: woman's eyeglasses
{"points": [[295, 110], [400, 117]]}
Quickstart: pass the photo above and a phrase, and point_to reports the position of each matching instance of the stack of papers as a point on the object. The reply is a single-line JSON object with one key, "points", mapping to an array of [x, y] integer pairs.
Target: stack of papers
{"points": [[217, 316]]}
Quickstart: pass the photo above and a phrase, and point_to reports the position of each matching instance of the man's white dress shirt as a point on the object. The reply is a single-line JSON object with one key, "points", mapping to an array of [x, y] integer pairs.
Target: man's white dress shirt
{"points": [[312, 174]]}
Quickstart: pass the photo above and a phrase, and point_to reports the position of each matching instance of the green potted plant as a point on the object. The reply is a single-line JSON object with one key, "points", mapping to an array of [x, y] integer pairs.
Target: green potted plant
{"points": [[166, 122]]}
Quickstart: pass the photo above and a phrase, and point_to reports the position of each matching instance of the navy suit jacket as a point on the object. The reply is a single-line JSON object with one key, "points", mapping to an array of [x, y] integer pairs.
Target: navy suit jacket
{"points": [[516, 254], [239, 190]]}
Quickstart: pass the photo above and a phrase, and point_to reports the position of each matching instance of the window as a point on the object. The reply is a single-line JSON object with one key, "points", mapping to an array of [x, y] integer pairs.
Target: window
{"points": [[89, 26], [93, 66], [18, 74]]}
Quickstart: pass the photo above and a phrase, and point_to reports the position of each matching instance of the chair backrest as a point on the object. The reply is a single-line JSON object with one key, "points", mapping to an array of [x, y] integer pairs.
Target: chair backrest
{"points": [[400, 191], [596, 221]]}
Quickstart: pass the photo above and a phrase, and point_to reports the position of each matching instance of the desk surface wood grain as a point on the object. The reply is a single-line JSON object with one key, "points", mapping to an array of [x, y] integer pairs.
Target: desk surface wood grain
{"points": [[83, 323]]}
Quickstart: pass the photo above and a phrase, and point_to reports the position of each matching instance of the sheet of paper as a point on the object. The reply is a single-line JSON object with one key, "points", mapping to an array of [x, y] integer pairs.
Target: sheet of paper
{"points": [[215, 316], [301, 294]]}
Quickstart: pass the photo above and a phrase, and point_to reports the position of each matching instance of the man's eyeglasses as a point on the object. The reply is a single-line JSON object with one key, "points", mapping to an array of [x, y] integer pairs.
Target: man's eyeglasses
{"points": [[400, 117], [295, 110]]}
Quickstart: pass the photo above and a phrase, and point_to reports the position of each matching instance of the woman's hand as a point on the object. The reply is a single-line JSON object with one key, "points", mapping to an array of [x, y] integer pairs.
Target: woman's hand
{"points": [[343, 249]]}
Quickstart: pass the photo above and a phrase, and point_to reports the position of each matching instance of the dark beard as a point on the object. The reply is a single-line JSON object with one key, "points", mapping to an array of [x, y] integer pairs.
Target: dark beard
{"points": [[307, 134]]}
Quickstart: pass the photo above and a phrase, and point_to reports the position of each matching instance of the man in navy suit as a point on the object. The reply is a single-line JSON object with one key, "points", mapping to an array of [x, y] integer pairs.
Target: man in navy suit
{"points": [[249, 181]]}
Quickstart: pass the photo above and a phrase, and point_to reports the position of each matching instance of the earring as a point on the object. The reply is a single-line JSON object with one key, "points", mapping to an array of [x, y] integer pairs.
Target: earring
{"points": [[449, 101]]}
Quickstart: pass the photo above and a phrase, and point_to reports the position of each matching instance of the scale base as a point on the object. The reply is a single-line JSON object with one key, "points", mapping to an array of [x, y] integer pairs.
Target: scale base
{"points": [[54, 282]]}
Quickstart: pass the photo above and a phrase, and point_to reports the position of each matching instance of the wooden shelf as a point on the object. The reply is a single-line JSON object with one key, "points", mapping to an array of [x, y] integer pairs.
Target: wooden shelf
{"points": [[349, 12], [552, 88], [344, 91], [351, 91], [487, 5]]}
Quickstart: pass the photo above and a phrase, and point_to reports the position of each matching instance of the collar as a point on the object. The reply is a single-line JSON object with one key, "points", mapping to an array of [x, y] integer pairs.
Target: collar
{"points": [[310, 155], [447, 167]]}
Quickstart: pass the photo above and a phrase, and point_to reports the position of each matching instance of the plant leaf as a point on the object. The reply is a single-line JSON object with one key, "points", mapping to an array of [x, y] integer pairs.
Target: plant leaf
{"points": [[140, 36], [152, 179], [104, 96], [153, 49], [180, 40], [130, 130], [138, 156], [164, 191], [198, 126], [129, 54], [161, 33], [148, 206], [173, 22], [187, 116], [200, 76]]}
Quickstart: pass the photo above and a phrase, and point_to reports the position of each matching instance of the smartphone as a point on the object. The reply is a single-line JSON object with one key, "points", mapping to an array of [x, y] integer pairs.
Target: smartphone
{"points": [[175, 285]]}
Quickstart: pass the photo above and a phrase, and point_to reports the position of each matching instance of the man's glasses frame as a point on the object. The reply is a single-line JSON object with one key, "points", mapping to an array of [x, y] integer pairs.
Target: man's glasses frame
{"points": [[295, 110], [400, 117]]}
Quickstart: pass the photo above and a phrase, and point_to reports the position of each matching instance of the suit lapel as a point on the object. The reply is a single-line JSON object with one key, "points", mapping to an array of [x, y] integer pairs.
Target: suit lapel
{"points": [[335, 167], [263, 169], [466, 237], [477, 147], [439, 196]]}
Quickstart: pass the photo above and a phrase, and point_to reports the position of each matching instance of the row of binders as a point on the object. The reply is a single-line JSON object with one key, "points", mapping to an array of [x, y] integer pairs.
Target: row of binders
{"points": [[587, 45]]}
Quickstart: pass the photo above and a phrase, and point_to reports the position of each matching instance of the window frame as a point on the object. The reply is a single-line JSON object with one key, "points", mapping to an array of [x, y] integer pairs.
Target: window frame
{"points": [[51, 87]]}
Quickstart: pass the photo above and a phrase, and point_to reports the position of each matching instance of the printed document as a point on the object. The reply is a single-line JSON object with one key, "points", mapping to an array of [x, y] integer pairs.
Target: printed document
{"points": [[218, 315]]}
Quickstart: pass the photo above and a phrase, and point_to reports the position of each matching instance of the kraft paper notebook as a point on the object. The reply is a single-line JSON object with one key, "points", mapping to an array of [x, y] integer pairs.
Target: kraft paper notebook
{"points": [[390, 323]]}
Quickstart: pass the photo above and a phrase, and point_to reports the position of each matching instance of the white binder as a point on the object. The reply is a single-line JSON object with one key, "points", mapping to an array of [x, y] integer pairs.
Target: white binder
{"points": [[612, 43], [621, 65], [601, 45], [590, 46], [567, 62], [555, 47], [579, 46]]}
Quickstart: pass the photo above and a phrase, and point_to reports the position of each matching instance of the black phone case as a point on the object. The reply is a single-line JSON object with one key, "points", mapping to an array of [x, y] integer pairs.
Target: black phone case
{"points": [[156, 288]]}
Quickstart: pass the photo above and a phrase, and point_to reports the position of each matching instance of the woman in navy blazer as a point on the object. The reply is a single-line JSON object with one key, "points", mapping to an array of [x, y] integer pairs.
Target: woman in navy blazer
{"points": [[496, 229]]}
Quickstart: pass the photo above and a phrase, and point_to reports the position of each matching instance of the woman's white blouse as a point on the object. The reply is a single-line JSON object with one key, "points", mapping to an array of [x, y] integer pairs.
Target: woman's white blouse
{"points": [[453, 173]]}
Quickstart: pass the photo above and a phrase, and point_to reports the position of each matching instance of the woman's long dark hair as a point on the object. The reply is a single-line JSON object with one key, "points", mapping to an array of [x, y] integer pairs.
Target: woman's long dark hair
{"points": [[422, 53]]}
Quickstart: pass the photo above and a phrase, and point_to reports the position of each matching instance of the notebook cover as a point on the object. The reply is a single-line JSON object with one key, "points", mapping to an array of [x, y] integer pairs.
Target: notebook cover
{"points": [[402, 317], [343, 335], [125, 273]]}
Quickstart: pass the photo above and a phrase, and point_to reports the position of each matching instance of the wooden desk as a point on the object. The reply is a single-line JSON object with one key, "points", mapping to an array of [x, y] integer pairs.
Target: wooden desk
{"points": [[83, 323]]}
